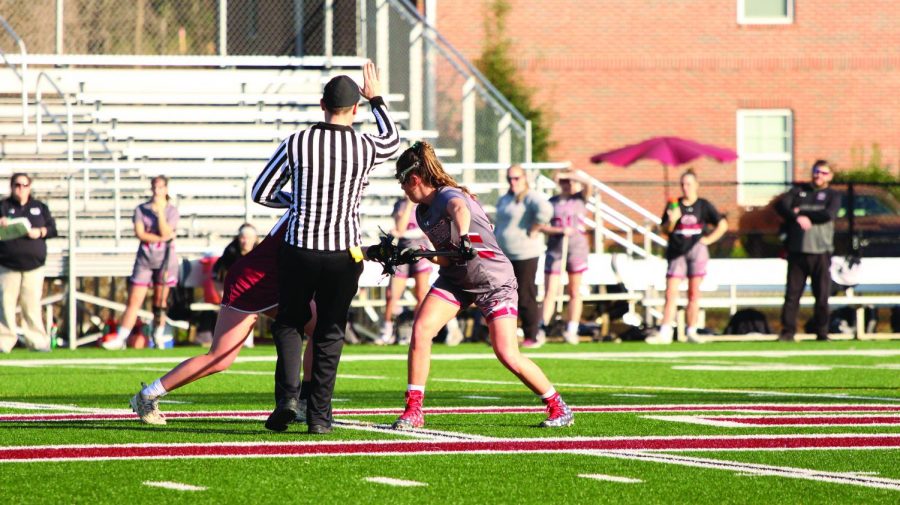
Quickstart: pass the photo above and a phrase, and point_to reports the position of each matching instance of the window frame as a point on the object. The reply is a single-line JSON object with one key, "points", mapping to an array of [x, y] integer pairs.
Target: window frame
{"points": [[743, 156], [742, 19]]}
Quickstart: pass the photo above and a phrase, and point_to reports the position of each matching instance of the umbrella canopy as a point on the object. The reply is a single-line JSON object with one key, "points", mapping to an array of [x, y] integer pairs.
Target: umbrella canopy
{"points": [[669, 151]]}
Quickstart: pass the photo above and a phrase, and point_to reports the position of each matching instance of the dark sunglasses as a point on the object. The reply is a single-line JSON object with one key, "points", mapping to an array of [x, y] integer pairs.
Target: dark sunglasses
{"points": [[510, 179], [821, 172], [21, 185]]}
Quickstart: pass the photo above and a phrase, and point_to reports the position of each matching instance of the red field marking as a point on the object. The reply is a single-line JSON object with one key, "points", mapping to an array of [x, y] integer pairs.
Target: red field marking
{"points": [[810, 421], [114, 416], [420, 447]]}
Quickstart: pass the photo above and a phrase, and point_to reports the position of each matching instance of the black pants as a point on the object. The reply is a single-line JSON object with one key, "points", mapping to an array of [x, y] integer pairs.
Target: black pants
{"points": [[529, 313], [332, 279], [801, 266]]}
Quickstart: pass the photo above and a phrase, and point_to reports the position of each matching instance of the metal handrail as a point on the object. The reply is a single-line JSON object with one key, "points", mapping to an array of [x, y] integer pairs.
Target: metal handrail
{"points": [[39, 103], [407, 9], [23, 76]]}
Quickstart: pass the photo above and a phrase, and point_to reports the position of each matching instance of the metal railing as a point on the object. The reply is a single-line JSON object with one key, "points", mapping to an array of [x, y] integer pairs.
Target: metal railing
{"points": [[23, 65], [40, 107]]}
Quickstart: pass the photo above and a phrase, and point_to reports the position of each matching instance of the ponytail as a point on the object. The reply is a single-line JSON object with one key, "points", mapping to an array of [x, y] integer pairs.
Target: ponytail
{"points": [[421, 160]]}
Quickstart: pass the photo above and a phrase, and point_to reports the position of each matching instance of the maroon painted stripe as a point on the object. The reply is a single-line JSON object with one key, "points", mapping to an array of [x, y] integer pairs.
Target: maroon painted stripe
{"points": [[452, 410], [331, 448], [789, 420]]}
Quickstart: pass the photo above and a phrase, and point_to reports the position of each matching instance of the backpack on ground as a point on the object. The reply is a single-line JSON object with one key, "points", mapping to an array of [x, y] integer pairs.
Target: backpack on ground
{"points": [[746, 321]]}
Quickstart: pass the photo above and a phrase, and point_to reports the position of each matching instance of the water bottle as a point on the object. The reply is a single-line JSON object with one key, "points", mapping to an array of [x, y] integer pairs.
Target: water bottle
{"points": [[54, 332]]}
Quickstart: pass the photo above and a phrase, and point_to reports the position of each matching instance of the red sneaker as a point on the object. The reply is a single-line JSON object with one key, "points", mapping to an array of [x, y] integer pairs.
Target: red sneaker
{"points": [[412, 417], [559, 414]]}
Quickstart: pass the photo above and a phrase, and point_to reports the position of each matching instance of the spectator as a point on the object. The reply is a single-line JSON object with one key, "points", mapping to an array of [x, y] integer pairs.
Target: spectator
{"points": [[409, 235], [22, 265], [567, 227], [685, 221], [520, 215], [809, 211], [155, 265]]}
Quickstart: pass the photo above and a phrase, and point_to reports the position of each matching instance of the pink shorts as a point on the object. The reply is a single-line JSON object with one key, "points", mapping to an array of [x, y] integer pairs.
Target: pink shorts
{"points": [[498, 303], [690, 264], [252, 282]]}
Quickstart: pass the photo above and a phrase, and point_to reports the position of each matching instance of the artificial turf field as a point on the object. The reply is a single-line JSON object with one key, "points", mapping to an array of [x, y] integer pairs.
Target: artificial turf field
{"points": [[811, 422]]}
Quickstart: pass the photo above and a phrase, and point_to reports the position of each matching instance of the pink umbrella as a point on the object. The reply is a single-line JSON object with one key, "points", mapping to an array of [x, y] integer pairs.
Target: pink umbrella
{"points": [[670, 151]]}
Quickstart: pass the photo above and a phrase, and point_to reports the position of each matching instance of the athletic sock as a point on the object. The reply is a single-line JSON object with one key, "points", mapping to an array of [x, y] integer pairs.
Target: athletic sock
{"points": [[123, 332], [666, 331], [550, 393], [691, 331], [572, 327], [153, 391], [413, 387]]}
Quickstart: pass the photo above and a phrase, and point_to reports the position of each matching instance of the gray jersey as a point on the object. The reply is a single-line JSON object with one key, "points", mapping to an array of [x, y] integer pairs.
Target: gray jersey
{"points": [[148, 254], [569, 213], [490, 268]]}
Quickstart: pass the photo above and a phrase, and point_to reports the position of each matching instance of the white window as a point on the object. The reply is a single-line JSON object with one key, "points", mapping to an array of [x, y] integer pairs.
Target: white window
{"points": [[765, 140], [765, 12]]}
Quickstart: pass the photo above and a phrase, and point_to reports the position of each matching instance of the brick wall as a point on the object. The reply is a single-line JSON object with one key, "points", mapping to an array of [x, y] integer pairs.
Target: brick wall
{"points": [[614, 72]]}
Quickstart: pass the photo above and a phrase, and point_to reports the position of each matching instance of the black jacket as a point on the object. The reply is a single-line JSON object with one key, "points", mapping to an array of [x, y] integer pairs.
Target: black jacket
{"points": [[24, 254]]}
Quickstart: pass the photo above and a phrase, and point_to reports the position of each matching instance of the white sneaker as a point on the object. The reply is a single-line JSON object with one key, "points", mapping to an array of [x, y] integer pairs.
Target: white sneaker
{"points": [[571, 337], [454, 335], [147, 410], [658, 338], [694, 338], [116, 344]]}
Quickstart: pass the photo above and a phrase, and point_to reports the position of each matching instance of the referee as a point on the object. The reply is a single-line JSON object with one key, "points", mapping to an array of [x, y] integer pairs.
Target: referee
{"points": [[328, 167]]}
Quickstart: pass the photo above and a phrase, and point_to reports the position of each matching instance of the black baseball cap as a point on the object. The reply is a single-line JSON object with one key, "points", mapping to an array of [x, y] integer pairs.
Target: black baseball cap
{"points": [[340, 91]]}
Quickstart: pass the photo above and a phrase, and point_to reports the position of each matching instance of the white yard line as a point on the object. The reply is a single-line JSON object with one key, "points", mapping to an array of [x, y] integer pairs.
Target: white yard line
{"points": [[676, 389], [476, 397], [592, 356], [418, 433], [64, 408], [394, 482], [742, 468], [177, 486], [609, 478]]}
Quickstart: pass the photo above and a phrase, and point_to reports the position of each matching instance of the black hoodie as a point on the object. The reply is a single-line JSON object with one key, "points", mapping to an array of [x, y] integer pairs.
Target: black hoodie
{"points": [[24, 254]]}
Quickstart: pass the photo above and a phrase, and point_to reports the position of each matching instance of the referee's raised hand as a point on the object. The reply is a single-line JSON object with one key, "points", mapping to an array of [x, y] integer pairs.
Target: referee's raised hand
{"points": [[371, 83]]}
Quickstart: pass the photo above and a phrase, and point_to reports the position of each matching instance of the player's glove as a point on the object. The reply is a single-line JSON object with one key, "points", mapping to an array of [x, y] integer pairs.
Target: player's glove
{"points": [[380, 252], [465, 249], [407, 257]]}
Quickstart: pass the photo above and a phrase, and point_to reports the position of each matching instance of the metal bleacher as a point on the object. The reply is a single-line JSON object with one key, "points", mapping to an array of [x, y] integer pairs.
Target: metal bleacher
{"points": [[209, 129]]}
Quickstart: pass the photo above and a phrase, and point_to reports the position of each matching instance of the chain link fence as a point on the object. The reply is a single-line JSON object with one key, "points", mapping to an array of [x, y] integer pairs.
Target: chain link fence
{"points": [[188, 27]]}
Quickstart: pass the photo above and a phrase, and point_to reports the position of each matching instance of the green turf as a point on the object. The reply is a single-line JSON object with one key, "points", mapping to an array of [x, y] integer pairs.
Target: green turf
{"points": [[586, 375]]}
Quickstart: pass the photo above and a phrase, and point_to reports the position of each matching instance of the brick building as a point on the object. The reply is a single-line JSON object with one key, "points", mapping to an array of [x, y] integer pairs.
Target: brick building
{"points": [[783, 82]]}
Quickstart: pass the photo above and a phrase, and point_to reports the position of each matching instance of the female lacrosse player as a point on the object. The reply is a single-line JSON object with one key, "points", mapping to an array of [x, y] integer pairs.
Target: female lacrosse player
{"points": [[251, 288], [453, 220]]}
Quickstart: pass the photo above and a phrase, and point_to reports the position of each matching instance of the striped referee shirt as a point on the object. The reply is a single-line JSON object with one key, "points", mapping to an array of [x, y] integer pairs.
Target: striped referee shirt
{"points": [[328, 167]]}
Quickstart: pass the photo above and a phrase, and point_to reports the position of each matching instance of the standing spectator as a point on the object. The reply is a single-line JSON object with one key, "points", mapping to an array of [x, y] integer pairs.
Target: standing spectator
{"points": [[22, 266], [407, 231], [155, 266], [685, 221], [809, 211], [567, 225], [328, 167], [520, 215]]}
